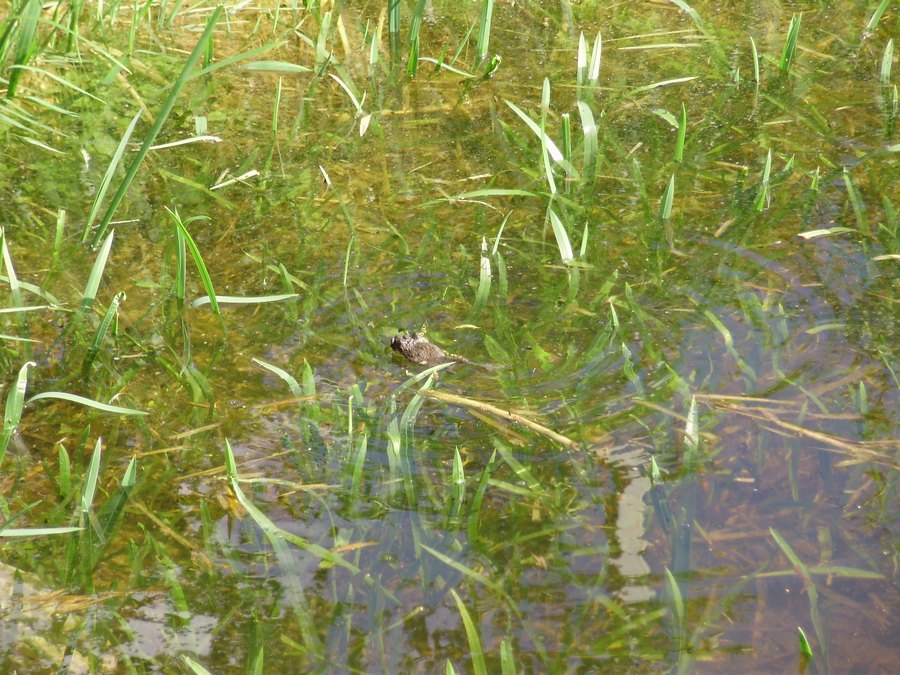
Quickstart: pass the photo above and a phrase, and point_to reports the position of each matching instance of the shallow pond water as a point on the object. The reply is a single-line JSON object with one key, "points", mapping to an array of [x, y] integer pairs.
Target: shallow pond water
{"points": [[684, 447]]}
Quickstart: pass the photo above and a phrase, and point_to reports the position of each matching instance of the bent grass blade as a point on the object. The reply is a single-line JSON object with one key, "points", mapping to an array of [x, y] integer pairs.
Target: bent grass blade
{"points": [[87, 402], [202, 270]]}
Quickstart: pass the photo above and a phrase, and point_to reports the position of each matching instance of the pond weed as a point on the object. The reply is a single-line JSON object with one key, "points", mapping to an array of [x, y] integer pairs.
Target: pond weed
{"points": [[694, 404]]}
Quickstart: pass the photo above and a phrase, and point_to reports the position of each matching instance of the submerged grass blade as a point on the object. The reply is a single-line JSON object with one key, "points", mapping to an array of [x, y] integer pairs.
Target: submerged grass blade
{"points": [[859, 210], [286, 561], [107, 177], [157, 125], [102, 330], [809, 585], [476, 652]]}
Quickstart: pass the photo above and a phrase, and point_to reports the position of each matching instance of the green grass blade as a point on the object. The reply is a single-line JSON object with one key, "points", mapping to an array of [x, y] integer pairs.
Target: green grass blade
{"points": [[762, 198], [552, 148], [102, 330], [484, 283], [202, 270], [286, 561], [790, 43], [415, 23], [14, 285], [65, 472], [88, 402], [195, 667], [484, 31], [691, 12], [467, 571], [589, 129], [108, 176], [755, 54], [243, 299], [673, 592], [276, 67], [809, 585], [806, 652], [157, 125], [562, 238], [394, 23], [59, 80], [476, 652], [682, 129], [90, 483], [15, 403], [876, 17], [859, 209], [596, 57], [93, 283], [26, 42], [289, 379], [581, 62], [507, 658], [18, 532], [665, 204], [886, 61]]}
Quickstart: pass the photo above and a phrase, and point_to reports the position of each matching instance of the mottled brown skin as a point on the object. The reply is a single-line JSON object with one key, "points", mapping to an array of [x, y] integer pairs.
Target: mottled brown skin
{"points": [[419, 350]]}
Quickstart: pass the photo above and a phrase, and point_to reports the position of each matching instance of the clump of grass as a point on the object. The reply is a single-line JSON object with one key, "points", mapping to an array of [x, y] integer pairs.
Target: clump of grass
{"points": [[790, 44]]}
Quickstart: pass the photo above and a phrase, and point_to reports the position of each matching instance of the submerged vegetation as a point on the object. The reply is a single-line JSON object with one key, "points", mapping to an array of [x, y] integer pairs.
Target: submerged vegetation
{"points": [[669, 231]]}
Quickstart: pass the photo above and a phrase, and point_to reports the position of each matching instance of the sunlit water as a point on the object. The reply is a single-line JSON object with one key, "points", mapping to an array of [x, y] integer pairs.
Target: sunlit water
{"points": [[725, 387]]}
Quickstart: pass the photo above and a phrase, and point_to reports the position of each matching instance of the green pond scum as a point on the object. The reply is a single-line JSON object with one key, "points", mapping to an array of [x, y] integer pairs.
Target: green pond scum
{"points": [[670, 228]]}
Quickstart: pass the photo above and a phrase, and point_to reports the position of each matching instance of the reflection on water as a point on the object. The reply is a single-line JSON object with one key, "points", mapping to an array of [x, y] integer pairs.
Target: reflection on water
{"points": [[732, 402]]}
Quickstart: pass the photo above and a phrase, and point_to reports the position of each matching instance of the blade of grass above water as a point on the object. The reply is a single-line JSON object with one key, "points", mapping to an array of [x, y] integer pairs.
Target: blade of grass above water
{"points": [[82, 400], [484, 31], [26, 43], [15, 403], [93, 283], [157, 125], [202, 270]]}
